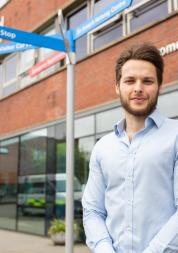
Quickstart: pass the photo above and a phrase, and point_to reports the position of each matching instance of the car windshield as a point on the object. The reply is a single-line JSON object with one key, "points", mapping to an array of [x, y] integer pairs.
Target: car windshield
{"points": [[61, 185]]}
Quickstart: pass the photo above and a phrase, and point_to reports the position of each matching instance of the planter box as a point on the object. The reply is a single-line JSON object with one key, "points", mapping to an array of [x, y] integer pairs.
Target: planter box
{"points": [[59, 238]]}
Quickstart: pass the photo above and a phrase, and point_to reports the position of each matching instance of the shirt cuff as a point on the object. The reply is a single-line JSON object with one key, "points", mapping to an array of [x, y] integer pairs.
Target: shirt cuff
{"points": [[104, 247]]}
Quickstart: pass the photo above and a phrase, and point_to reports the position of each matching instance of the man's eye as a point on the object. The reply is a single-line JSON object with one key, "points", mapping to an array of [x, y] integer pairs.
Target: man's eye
{"points": [[129, 81], [148, 82]]}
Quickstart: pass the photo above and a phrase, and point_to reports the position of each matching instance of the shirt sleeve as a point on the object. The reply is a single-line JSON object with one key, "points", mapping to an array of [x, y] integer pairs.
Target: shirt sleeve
{"points": [[94, 212], [166, 241]]}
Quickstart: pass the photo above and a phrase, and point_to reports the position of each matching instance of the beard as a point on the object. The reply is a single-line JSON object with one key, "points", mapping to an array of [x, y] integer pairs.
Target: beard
{"points": [[140, 112]]}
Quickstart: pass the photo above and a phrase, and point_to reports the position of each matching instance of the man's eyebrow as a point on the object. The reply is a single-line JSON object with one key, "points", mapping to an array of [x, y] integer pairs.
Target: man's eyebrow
{"points": [[149, 78], [127, 77]]}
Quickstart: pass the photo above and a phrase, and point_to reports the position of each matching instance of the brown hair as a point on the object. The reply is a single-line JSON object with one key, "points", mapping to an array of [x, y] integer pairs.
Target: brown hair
{"points": [[146, 52]]}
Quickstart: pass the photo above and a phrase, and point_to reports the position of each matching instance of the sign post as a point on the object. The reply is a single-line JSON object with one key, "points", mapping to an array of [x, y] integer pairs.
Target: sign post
{"points": [[69, 219]]}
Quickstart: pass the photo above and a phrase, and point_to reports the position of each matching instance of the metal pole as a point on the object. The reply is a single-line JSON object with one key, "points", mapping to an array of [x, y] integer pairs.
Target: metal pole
{"points": [[70, 156], [69, 219]]}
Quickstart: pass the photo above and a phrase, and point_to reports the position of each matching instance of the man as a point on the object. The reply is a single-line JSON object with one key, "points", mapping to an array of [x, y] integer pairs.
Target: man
{"points": [[131, 197]]}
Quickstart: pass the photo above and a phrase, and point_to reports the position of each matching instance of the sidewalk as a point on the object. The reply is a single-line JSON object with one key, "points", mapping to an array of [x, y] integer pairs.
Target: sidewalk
{"points": [[14, 242]]}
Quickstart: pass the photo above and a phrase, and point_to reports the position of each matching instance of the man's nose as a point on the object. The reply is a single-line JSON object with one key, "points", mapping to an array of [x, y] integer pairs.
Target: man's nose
{"points": [[138, 88]]}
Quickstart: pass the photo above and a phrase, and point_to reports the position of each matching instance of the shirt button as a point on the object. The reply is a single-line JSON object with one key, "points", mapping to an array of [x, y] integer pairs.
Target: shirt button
{"points": [[128, 228]]}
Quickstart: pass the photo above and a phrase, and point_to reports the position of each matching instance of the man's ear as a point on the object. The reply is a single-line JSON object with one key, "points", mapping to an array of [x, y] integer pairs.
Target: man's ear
{"points": [[117, 89]]}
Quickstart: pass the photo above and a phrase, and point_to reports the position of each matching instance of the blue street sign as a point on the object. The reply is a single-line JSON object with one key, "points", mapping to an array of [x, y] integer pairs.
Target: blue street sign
{"points": [[11, 47], [32, 38], [101, 17]]}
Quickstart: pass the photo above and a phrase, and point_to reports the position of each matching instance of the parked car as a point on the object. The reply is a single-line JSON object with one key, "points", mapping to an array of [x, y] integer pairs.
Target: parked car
{"points": [[33, 190]]}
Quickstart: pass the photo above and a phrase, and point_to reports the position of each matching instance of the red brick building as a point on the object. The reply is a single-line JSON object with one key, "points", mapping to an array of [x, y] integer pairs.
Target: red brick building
{"points": [[32, 110]]}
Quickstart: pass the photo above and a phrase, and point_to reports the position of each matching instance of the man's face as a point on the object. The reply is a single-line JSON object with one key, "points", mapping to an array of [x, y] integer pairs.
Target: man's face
{"points": [[138, 88]]}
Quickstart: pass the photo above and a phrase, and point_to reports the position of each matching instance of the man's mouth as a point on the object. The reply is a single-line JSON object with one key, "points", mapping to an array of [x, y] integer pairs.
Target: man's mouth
{"points": [[138, 98]]}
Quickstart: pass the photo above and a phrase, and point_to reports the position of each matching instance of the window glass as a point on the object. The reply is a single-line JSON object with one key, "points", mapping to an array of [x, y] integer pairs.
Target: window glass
{"points": [[83, 148], [45, 52], [10, 75], [107, 35], [136, 2], [168, 104], [3, 2], [31, 204], [33, 153], [101, 4], [143, 16], [32, 182], [1, 74], [10, 66], [105, 121], [74, 21], [60, 134], [84, 126], [61, 156], [8, 182], [27, 59]]}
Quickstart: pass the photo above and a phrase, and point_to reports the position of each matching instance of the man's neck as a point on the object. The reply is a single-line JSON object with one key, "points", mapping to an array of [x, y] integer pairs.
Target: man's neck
{"points": [[133, 124]]}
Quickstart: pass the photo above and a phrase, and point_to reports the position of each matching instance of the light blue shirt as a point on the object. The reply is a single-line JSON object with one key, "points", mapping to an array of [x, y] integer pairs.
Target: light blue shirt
{"points": [[131, 197]]}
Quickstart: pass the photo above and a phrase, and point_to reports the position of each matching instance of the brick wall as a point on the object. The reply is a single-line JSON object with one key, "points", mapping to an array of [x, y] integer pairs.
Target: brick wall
{"points": [[28, 14]]}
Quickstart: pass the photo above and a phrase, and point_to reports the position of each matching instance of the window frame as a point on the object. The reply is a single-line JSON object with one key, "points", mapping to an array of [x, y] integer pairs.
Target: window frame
{"points": [[88, 5], [144, 6], [11, 81], [103, 28], [3, 3]]}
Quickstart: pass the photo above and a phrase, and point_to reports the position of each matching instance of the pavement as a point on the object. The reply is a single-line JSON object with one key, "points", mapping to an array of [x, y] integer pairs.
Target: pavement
{"points": [[16, 242]]}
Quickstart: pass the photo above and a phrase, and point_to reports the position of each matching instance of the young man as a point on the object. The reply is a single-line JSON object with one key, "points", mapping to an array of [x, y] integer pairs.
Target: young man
{"points": [[131, 197]]}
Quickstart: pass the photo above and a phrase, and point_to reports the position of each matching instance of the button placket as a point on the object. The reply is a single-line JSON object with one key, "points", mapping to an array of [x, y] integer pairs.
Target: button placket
{"points": [[129, 200]]}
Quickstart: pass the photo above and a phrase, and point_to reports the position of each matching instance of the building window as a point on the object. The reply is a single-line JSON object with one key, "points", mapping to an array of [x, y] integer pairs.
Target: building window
{"points": [[1, 77], [147, 13], [27, 59], [46, 52], [8, 182], [106, 120], [107, 34], [99, 5], [175, 2], [33, 153], [32, 182], [10, 75], [3, 2], [73, 21]]}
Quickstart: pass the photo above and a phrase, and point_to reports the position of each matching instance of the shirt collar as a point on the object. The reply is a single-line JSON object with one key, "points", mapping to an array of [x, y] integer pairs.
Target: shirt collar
{"points": [[156, 117], [119, 127]]}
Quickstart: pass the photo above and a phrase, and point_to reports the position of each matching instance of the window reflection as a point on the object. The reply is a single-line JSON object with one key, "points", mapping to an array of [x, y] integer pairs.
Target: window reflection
{"points": [[32, 182], [33, 153], [74, 21], [83, 147], [8, 182], [108, 34]]}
